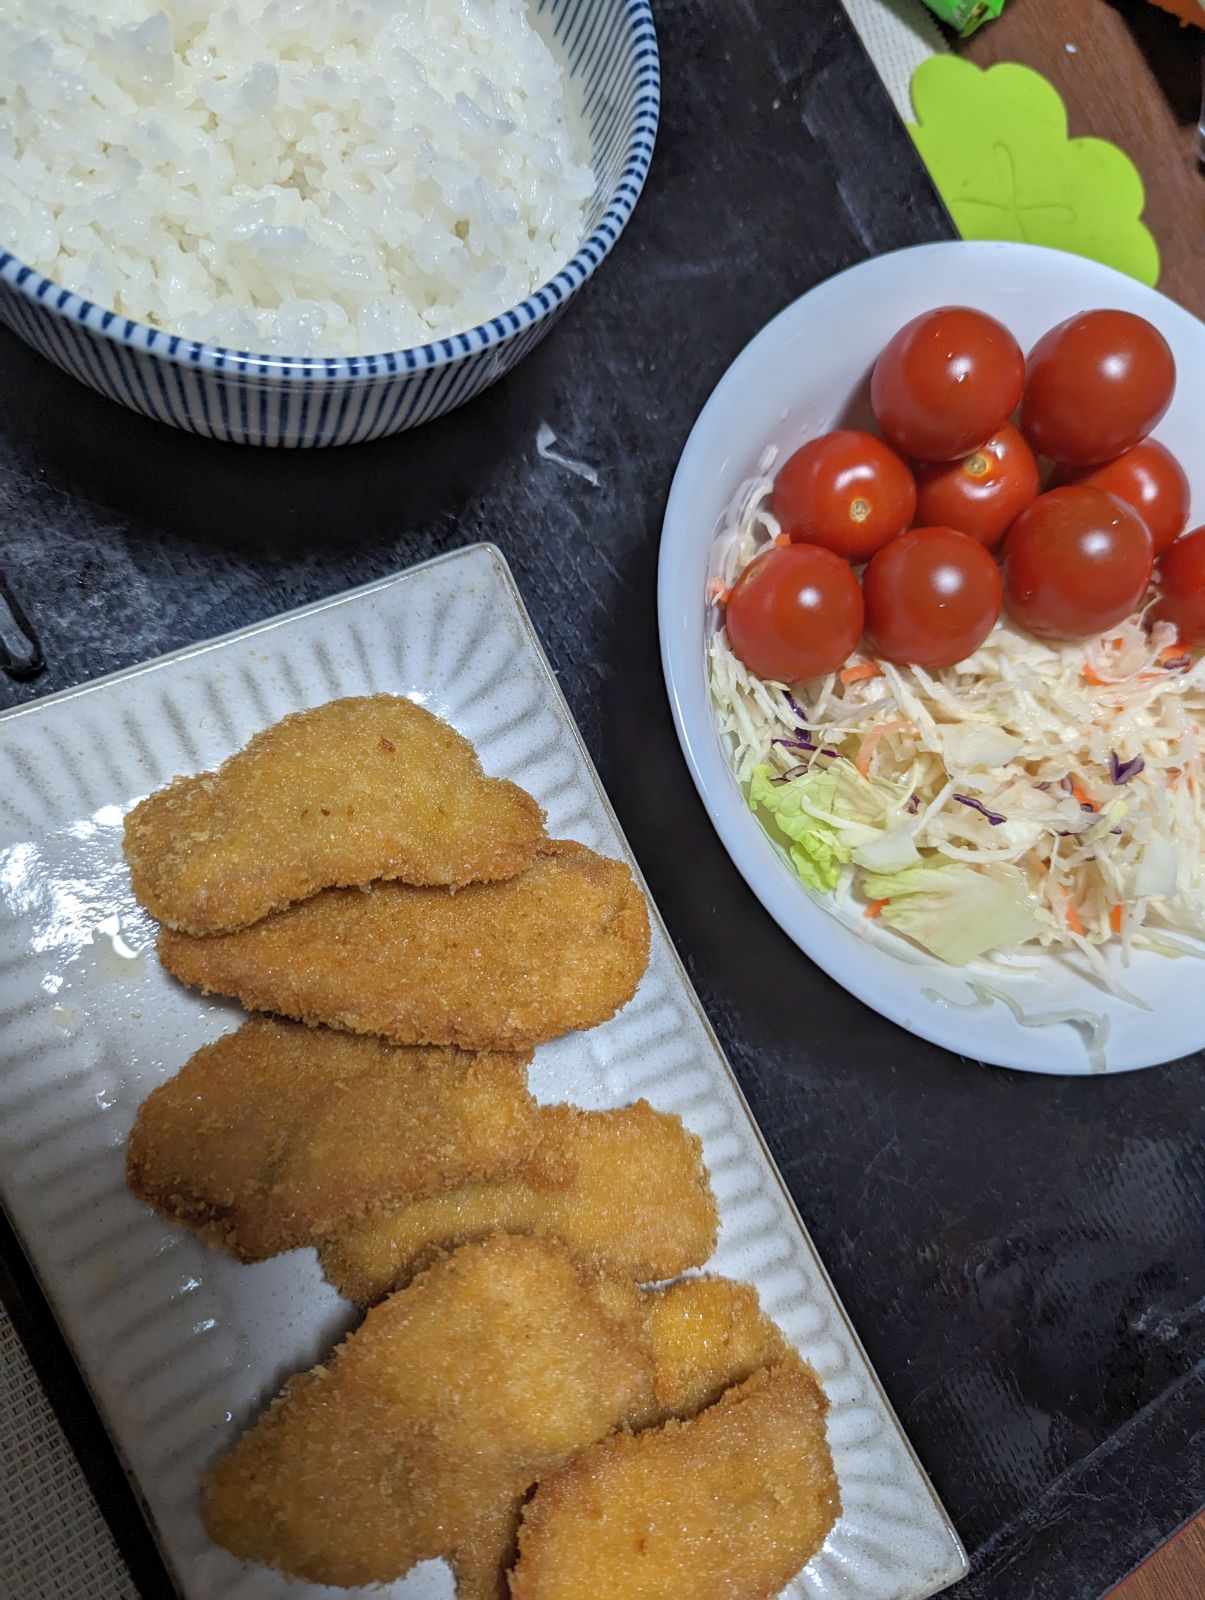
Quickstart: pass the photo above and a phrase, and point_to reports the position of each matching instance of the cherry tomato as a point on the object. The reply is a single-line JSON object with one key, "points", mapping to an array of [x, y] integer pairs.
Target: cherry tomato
{"points": [[794, 613], [946, 383], [982, 493], [1095, 386], [932, 597], [1076, 562], [846, 491], [1182, 580], [1150, 479]]}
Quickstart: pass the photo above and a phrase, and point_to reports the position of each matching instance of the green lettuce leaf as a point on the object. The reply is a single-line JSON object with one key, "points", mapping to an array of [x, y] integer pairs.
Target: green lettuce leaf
{"points": [[814, 843], [831, 815]]}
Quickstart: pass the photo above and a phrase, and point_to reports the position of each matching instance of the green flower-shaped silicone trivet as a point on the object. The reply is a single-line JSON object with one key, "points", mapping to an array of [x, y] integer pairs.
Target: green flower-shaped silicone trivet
{"points": [[996, 145]]}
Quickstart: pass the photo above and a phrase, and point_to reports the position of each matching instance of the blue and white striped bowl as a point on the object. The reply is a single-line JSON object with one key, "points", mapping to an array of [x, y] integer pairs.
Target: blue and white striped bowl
{"points": [[610, 47]]}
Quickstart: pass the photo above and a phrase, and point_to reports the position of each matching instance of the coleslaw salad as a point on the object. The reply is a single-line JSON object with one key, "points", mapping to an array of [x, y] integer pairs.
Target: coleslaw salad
{"points": [[1037, 796]]}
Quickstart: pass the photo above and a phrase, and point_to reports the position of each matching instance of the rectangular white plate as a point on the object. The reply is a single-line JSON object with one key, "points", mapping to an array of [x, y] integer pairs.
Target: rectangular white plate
{"points": [[182, 1347]]}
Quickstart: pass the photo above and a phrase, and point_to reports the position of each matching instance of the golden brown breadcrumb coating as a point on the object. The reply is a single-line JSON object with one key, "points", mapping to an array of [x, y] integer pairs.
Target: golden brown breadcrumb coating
{"points": [[501, 966], [279, 1135], [427, 1426], [351, 791], [626, 1190], [704, 1334], [729, 1505], [492, 1368]]}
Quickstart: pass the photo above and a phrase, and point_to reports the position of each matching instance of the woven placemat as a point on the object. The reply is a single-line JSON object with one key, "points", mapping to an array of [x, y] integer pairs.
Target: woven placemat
{"points": [[898, 35], [54, 1543]]}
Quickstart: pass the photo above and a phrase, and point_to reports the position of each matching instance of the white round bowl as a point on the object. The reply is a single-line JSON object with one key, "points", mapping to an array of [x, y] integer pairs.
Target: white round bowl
{"points": [[805, 373]]}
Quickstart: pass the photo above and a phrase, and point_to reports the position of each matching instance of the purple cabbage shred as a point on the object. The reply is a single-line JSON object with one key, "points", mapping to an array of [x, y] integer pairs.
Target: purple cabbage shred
{"points": [[795, 706], [994, 817], [791, 772], [913, 805], [1122, 771], [803, 743]]}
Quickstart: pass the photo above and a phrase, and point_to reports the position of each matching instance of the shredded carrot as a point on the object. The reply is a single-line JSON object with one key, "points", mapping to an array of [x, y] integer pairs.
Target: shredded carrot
{"points": [[875, 909], [1094, 678], [1115, 919], [1174, 653], [862, 760], [859, 673], [717, 592], [1082, 795], [1073, 921]]}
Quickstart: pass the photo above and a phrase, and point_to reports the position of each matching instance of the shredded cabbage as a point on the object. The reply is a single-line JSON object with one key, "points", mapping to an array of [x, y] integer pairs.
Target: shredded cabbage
{"points": [[958, 912], [1078, 767]]}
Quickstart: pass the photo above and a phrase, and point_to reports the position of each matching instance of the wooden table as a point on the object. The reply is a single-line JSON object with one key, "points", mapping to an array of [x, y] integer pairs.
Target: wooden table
{"points": [[1176, 1571], [1132, 76]]}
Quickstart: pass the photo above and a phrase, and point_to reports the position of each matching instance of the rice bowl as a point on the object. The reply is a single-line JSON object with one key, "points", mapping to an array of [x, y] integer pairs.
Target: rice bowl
{"points": [[279, 177], [290, 399]]}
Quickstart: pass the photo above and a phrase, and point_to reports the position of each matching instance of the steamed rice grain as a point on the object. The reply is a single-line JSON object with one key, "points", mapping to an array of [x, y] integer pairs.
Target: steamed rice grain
{"points": [[282, 175]]}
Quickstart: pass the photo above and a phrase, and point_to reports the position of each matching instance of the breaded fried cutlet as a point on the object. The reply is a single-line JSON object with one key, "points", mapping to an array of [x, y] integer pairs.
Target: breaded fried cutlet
{"points": [[279, 1135], [704, 1335], [626, 1190], [359, 789], [729, 1505], [493, 1367], [421, 1435], [501, 966]]}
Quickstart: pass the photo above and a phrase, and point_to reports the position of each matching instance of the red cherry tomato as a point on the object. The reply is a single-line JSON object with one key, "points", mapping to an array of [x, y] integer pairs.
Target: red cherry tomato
{"points": [[1182, 580], [946, 383], [932, 597], [1076, 562], [1150, 479], [1095, 386], [982, 493], [846, 491], [794, 613]]}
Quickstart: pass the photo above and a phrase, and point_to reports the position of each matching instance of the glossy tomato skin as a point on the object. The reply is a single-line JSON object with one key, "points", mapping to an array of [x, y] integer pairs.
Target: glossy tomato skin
{"points": [[1182, 586], [982, 493], [946, 382], [1150, 479], [1076, 562], [794, 613], [1095, 386], [847, 491], [932, 597]]}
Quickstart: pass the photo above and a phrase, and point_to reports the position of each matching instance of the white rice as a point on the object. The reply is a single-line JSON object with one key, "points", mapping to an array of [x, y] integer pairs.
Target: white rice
{"points": [[302, 176]]}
